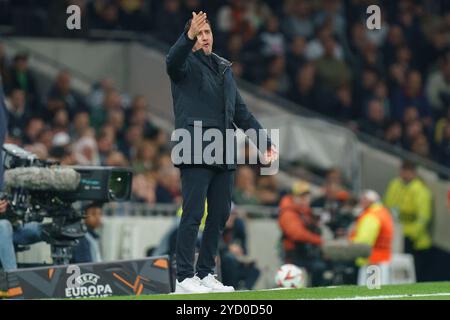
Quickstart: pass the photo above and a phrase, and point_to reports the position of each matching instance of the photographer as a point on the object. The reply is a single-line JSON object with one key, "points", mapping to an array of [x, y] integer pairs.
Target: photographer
{"points": [[42, 189]]}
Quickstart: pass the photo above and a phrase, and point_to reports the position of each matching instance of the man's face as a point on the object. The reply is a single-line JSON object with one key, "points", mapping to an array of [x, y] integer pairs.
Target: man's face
{"points": [[105, 144], [205, 40], [63, 82], [22, 65], [303, 200], [18, 99], [364, 203], [94, 217]]}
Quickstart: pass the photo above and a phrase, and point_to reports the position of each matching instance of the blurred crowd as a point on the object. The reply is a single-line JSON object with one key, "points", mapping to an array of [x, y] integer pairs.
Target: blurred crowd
{"points": [[392, 83], [106, 127]]}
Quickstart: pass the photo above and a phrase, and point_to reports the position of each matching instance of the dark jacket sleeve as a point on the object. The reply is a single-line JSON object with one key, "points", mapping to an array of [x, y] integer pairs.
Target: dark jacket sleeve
{"points": [[176, 60], [245, 120]]}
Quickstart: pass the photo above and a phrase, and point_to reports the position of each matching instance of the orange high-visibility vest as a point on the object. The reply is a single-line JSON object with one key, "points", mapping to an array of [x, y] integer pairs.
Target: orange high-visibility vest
{"points": [[382, 249]]}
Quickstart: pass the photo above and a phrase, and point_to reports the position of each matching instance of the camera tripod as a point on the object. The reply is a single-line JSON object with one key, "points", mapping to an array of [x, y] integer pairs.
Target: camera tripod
{"points": [[62, 234]]}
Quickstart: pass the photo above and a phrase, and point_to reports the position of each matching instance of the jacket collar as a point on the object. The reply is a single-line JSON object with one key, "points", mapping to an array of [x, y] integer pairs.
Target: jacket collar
{"points": [[222, 60], [223, 63]]}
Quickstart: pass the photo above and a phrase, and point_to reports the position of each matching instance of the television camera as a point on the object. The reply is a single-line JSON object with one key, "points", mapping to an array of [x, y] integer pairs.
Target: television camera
{"points": [[38, 189]]}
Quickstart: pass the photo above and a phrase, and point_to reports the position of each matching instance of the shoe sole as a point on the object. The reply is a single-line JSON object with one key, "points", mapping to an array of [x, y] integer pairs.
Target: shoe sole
{"points": [[218, 290], [188, 292], [223, 291]]}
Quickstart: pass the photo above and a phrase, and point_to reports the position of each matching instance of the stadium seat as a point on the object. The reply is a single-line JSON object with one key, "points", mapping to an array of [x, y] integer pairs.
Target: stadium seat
{"points": [[402, 269]]}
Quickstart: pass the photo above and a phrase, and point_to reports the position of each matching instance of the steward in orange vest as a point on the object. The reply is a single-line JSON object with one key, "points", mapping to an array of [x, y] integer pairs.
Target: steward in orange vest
{"points": [[374, 227]]}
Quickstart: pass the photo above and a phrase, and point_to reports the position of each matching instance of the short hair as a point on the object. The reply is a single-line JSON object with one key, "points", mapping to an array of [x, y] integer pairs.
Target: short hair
{"points": [[21, 56], [187, 26], [408, 165], [85, 205], [371, 195]]}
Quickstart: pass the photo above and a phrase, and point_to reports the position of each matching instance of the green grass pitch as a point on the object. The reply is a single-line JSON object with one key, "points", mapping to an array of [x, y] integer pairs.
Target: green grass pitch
{"points": [[420, 291]]}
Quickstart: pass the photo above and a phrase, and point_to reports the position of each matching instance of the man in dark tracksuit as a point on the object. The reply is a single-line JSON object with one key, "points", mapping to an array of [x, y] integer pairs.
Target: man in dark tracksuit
{"points": [[203, 89]]}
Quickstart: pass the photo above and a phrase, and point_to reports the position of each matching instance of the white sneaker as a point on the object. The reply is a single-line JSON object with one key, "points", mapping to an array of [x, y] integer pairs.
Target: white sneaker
{"points": [[215, 285], [191, 285]]}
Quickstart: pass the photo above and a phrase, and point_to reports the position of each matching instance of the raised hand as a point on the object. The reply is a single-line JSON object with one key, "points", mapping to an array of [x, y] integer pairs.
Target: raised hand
{"points": [[198, 22]]}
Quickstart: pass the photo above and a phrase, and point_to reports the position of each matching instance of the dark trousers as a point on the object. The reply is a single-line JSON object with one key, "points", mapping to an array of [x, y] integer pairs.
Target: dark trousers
{"points": [[197, 185]]}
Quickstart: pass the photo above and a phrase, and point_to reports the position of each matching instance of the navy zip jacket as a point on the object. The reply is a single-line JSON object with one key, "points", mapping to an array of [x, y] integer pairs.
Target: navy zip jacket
{"points": [[203, 89]]}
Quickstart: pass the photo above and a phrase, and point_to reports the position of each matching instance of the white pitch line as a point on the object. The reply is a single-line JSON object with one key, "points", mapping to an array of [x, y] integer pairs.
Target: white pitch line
{"points": [[394, 296]]}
